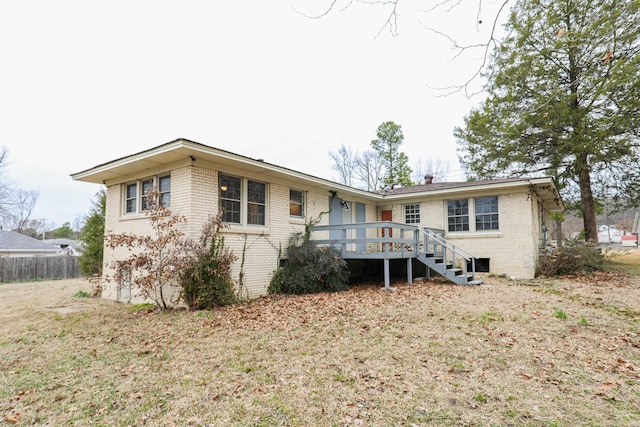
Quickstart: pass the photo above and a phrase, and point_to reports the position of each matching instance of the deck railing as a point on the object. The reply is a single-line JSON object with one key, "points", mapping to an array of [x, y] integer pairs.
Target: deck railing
{"points": [[392, 240]]}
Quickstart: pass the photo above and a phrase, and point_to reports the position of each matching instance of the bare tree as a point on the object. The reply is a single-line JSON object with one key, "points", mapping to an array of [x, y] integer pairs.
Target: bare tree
{"points": [[5, 191], [21, 205], [370, 169], [437, 168], [77, 225], [344, 162], [391, 16]]}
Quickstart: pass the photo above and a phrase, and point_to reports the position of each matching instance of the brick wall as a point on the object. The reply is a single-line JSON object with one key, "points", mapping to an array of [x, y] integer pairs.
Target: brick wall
{"points": [[194, 194]]}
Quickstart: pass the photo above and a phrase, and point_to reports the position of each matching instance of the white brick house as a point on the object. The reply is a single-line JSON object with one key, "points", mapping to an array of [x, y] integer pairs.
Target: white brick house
{"points": [[501, 222]]}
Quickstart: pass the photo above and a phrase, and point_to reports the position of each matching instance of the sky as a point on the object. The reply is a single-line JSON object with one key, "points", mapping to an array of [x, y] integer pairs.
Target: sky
{"points": [[83, 83]]}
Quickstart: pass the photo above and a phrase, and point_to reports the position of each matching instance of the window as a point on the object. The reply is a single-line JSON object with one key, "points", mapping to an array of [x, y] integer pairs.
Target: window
{"points": [[458, 215], [412, 214], [135, 193], [487, 213], [165, 191], [296, 203], [131, 198], [230, 198], [256, 203], [243, 200], [147, 186]]}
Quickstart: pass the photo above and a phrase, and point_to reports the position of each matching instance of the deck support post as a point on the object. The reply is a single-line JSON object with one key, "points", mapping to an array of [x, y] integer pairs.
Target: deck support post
{"points": [[409, 271], [387, 281]]}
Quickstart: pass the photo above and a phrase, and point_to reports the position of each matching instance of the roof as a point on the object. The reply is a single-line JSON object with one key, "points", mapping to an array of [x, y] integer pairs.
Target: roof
{"points": [[435, 186], [10, 241], [182, 150], [543, 187]]}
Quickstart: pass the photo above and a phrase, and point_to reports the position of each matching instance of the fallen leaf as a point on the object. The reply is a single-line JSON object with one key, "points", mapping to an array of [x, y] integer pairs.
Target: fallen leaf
{"points": [[13, 418], [608, 57]]}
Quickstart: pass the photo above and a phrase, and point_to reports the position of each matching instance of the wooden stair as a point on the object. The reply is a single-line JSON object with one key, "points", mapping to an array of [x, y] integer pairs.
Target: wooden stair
{"points": [[441, 256]]}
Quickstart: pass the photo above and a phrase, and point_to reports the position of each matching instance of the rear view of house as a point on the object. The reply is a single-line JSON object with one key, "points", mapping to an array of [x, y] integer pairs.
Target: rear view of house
{"points": [[501, 223]]}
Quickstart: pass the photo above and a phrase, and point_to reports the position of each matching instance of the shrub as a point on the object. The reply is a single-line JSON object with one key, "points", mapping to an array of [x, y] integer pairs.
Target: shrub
{"points": [[154, 260], [310, 269], [206, 277], [574, 257]]}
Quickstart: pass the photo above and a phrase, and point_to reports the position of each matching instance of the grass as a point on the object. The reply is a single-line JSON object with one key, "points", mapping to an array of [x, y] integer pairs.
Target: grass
{"points": [[560, 314], [81, 294], [627, 261], [429, 354]]}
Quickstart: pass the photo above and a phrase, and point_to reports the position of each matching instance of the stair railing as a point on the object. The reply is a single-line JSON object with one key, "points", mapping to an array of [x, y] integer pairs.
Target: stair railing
{"points": [[435, 243]]}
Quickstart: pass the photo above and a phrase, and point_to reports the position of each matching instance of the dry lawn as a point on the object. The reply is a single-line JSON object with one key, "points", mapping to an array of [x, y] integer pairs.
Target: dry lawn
{"points": [[545, 352]]}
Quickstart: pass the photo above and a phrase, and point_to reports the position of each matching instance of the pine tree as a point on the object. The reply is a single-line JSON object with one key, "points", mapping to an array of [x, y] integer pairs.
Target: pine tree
{"points": [[92, 235], [562, 101]]}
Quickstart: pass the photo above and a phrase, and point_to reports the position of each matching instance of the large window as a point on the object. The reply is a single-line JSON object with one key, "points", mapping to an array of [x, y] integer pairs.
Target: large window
{"points": [[458, 215], [243, 201], [412, 214], [487, 213], [136, 193], [296, 203]]}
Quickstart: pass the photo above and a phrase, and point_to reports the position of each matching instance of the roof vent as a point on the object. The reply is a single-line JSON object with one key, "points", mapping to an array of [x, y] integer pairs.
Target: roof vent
{"points": [[428, 179]]}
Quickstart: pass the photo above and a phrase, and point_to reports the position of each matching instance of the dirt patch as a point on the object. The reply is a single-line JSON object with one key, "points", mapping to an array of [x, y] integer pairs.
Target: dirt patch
{"points": [[26, 304]]}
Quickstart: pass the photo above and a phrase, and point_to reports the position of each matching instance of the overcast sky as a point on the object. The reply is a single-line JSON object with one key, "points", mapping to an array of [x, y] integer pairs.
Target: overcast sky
{"points": [[83, 83]]}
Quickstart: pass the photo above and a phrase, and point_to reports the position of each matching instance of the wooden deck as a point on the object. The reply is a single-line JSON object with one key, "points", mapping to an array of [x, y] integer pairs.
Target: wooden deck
{"points": [[388, 240]]}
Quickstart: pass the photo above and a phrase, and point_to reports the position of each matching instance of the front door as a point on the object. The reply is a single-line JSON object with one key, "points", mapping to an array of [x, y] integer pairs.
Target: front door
{"points": [[387, 216]]}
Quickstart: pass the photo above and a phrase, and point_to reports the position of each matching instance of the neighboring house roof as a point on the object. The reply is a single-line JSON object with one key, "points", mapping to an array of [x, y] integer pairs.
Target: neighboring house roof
{"points": [[61, 242], [13, 242], [70, 246], [189, 152]]}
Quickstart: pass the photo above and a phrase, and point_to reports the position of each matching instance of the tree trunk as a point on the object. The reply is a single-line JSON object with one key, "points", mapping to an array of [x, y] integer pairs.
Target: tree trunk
{"points": [[586, 200]]}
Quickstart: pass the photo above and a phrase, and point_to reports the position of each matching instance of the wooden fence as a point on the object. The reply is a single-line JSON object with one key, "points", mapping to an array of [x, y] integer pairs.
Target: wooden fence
{"points": [[26, 269]]}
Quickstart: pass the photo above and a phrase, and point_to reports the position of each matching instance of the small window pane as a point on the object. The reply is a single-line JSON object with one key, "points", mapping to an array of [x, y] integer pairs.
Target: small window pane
{"points": [[231, 211], [256, 192], [412, 214], [296, 203], [230, 187], [255, 214]]}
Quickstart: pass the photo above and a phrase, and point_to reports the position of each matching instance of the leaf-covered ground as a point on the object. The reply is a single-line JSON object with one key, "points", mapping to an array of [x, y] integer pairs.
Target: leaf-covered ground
{"points": [[544, 352]]}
